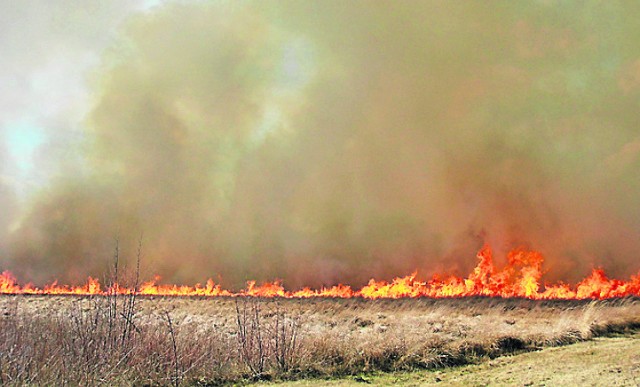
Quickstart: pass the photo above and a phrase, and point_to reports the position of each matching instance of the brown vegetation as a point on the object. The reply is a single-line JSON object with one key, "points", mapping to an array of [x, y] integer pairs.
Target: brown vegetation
{"points": [[183, 341]]}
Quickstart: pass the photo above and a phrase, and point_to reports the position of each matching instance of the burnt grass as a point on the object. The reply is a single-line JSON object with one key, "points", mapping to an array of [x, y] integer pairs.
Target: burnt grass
{"points": [[145, 341]]}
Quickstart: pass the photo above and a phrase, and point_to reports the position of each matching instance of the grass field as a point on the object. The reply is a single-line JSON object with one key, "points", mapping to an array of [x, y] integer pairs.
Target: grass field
{"points": [[128, 340], [604, 361]]}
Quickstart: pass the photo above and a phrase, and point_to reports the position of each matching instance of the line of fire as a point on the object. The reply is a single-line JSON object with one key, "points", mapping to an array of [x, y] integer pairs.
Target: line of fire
{"points": [[520, 278]]}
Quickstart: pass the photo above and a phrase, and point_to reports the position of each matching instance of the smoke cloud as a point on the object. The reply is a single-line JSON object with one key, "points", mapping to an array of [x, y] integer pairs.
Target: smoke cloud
{"points": [[335, 141]]}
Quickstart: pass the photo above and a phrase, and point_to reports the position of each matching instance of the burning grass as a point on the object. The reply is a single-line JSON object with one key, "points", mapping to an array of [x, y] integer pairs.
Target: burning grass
{"points": [[520, 278], [186, 341]]}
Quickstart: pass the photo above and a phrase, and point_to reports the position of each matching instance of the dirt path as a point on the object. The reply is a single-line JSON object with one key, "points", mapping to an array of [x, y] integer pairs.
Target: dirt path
{"points": [[601, 362]]}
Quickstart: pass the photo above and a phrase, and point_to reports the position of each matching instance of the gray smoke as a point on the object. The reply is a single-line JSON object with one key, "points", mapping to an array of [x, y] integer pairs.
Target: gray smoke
{"points": [[325, 142]]}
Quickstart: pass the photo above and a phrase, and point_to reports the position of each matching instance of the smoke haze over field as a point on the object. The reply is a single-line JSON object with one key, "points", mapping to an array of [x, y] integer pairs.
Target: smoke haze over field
{"points": [[325, 142]]}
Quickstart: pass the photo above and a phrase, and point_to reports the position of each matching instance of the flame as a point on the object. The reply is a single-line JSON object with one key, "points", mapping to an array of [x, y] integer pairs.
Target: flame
{"points": [[521, 277]]}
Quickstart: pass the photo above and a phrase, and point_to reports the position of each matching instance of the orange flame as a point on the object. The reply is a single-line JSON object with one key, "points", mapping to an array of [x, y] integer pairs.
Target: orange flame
{"points": [[519, 278]]}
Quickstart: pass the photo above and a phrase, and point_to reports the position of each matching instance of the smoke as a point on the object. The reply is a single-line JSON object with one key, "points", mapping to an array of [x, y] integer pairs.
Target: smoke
{"points": [[7, 199], [335, 141]]}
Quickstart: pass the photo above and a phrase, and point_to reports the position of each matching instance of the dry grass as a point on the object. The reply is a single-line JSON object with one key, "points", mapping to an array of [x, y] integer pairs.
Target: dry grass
{"points": [[604, 361], [178, 341]]}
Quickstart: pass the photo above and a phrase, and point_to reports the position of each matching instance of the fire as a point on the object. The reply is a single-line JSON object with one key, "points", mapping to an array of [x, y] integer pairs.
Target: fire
{"points": [[521, 277]]}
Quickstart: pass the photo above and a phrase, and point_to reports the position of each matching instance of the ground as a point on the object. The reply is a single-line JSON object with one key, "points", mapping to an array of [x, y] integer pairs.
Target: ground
{"points": [[610, 361], [126, 340]]}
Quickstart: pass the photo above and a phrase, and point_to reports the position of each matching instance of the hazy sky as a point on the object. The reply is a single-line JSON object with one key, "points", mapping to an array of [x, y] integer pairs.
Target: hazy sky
{"points": [[318, 142], [49, 51]]}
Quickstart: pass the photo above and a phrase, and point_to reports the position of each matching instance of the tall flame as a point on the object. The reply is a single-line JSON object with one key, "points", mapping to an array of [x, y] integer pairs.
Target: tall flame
{"points": [[519, 278]]}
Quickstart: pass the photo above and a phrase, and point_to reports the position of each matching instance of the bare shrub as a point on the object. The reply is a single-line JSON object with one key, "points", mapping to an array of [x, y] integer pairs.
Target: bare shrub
{"points": [[253, 346], [267, 340], [284, 333]]}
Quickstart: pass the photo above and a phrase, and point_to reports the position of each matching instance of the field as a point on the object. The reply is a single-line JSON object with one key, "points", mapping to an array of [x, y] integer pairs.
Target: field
{"points": [[603, 361], [128, 340]]}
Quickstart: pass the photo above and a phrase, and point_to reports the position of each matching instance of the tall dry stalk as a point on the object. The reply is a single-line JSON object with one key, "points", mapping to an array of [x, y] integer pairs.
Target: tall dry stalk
{"points": [[177, 375]]}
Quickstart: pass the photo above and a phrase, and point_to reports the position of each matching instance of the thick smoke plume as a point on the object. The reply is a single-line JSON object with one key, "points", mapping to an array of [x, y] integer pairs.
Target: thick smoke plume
{"points": [[325, 142]]}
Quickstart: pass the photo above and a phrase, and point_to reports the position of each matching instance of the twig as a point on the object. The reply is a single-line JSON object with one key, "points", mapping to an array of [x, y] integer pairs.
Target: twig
{"points": [[176, 378]]}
